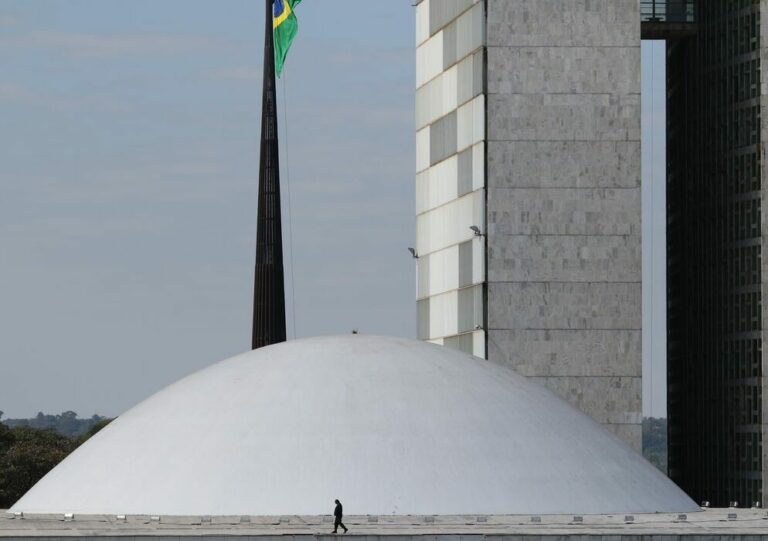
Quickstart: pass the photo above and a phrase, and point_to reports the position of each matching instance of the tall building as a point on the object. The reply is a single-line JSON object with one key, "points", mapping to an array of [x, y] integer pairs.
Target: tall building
{"points": [[528, 193], [528, 132], [716, 364]]}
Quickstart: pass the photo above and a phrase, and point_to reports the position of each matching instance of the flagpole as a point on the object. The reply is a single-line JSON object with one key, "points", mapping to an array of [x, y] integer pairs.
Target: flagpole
{"points": [[269, 280]]}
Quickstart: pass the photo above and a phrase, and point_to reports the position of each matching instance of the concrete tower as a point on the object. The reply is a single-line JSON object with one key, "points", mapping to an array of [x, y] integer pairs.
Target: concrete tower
{"points": [[528, 130]]}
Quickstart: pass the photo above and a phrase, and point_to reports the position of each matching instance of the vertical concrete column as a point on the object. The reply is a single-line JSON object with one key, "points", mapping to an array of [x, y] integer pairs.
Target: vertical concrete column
{"points": [[563, 201]]}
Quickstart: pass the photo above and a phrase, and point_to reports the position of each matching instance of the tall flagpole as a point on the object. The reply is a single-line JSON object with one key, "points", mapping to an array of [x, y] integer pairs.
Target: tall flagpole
{"points": [[269, 281]]}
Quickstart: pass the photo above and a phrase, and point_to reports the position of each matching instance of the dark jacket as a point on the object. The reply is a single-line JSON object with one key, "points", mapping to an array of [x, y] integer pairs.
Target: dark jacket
{"points": [[337, 512]]}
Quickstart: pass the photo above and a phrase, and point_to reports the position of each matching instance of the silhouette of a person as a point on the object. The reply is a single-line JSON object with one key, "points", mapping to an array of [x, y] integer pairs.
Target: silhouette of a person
{"points": [[338, 513]]}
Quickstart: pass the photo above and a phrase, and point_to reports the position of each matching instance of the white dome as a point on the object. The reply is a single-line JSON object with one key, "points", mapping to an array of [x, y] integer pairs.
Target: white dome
{"points": [[388, 426]]}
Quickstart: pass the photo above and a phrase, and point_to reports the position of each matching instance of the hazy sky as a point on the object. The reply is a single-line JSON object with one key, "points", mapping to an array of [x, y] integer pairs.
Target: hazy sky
{"points": [[128, 168]]}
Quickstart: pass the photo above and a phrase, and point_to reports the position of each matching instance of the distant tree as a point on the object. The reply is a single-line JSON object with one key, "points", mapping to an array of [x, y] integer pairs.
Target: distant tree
{"points": [[6, 439], [66, 423], [97, 425], [30, 448], [655, 441], [25, 457]]}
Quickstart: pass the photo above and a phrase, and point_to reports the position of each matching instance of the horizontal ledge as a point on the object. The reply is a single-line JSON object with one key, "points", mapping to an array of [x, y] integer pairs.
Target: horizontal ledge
{"points": [[619, 282], [488, 93], [488, 140], [562, 329], [598, 46], [635, 376], [563, 235], [539, 187]]}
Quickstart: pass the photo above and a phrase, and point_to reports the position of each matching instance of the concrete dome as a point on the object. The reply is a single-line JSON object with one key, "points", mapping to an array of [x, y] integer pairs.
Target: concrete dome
{"points": [[388, 426]]}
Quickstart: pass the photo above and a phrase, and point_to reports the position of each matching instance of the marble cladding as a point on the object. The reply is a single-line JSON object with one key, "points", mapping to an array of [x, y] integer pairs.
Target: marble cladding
{"points": [[589, 164], [563, 201]]}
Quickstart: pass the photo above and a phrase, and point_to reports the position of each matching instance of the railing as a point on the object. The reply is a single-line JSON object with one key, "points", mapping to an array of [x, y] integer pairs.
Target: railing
{"points": [[668, 11]]}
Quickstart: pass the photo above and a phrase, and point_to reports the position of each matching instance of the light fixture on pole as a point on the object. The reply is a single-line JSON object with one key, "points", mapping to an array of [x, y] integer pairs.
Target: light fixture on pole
{"points": [[414, 254]]}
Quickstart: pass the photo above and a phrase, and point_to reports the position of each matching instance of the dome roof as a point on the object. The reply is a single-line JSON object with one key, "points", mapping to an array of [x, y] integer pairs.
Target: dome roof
{"points": [[388, 426]]}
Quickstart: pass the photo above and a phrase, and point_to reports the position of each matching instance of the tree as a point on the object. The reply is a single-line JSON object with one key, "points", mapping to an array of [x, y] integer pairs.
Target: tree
{"points": [[31, 454], [27, 452], [67, 423], [6, 439], [95, 427]]}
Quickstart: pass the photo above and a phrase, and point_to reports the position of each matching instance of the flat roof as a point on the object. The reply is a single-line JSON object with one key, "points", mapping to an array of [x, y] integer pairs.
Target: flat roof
{"points": [[707, 522]]}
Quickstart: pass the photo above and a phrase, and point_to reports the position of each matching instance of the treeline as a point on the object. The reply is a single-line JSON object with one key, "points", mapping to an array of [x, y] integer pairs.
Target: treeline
{"points": [[655, 442], [30, 450], [66, 423]]}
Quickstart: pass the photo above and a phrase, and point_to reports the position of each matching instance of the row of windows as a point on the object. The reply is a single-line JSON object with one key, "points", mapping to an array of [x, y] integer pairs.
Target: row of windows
{"points": [[449, 90], [727, 220], [744, 358], [441, 12], [744, 173], [744, 410], [450, 314], [457, 131], [733, 30], [740, 312], [728, 128], [745, 266], [455, 267], [451, 179], [456, 41]]}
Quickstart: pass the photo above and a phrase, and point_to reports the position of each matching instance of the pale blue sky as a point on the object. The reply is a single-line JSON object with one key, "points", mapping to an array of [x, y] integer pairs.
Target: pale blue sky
{"points": [[128, 166], [654, 228]]}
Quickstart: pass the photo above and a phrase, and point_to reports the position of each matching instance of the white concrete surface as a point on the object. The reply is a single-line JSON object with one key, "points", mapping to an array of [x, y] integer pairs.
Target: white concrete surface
{"points": [[388, 426]]}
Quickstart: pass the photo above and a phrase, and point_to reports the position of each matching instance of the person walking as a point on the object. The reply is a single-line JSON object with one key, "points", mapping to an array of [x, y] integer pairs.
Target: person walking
{"points": [[338, 513]]}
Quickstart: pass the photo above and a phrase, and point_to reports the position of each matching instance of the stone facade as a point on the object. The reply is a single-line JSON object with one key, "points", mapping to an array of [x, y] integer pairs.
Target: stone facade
{"points": [[561, 197], [563, 214]]}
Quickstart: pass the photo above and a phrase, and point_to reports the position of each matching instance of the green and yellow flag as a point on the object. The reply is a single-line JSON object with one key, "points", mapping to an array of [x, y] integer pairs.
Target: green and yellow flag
{"points": [[284, 25]]}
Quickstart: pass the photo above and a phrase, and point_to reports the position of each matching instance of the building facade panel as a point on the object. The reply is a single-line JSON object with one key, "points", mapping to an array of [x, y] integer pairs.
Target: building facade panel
{"points": [[594, 70], [563, 214], [563, 305], [453, 87], [455, 267], [565, 211], [529, 133], [590, 164], [564, 117], [450, 181], [572, 353], [565, 258], [450, 224], [606, 399], [575, 23]]}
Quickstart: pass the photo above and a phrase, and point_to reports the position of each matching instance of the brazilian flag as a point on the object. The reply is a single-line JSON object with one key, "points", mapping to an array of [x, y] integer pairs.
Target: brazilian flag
{"points": [[284, 25]]}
